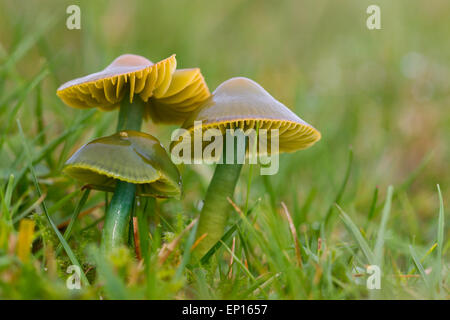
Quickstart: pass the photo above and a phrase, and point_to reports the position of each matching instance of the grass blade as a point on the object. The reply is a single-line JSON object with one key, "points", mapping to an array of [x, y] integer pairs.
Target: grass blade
{"points": [[379, 244], [239, 262], [187, 252], [26, 236], [74, 218], [6, 198], [373, 205], [419, 265], [362, 243], [440, 237]]}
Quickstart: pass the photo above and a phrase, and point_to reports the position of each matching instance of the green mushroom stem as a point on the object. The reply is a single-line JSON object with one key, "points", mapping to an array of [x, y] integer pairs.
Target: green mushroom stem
{"points": [[214, 214], [118, 215], [119, 211], [130, 115]]}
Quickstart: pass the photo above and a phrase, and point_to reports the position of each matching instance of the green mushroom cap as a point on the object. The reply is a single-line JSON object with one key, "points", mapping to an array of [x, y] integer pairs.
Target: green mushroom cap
{"points": [[130, 156]]}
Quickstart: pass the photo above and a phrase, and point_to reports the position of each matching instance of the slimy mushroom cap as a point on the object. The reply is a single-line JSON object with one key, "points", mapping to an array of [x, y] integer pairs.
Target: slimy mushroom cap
{"points": [[130, 156], [170, 95], [127, 73]]}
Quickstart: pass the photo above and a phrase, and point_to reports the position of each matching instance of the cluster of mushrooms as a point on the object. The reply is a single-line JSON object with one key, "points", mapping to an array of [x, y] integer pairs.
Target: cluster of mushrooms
{"points": [[134, 164]]}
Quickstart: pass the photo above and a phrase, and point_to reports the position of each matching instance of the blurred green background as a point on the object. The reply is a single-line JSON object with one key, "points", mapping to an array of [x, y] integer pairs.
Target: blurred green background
{"points": [[383, 93]]}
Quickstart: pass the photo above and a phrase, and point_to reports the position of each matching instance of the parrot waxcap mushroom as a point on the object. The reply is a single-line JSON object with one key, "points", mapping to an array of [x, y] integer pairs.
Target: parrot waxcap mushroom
{"points": [[135, 161], [129, 156], [241, 103], [238, 104], [136, 85]]}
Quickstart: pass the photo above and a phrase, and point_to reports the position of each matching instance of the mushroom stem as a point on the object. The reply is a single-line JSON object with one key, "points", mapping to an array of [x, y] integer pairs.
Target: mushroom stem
{"points": [[117, 217], [214, 214], [130, 115]]}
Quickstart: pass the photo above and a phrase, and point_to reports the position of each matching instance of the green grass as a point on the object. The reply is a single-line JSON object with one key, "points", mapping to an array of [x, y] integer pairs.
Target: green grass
{"points": [[383, 95]]}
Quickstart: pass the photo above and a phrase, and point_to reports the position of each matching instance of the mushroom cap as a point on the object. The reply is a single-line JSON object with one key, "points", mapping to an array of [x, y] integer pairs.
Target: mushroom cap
{"points": [[129, 156], [187, 91], [244, 104], [107, 88], [170, 94]]}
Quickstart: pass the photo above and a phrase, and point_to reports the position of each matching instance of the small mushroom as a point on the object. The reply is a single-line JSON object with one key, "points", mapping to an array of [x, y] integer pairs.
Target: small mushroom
{"points": [[132, 158], [238, 103]]}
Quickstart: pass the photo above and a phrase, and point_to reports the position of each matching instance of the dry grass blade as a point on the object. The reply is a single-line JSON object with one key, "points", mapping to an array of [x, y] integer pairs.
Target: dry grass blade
{"points": [[294, 234], [196, 243], [167, 249], [26, 232], [137, 242], [235, 206]]}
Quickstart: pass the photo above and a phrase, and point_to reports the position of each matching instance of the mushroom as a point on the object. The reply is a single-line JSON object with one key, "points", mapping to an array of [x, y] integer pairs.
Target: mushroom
{"points": [[129, 157], [164, 93], [238, 103]]}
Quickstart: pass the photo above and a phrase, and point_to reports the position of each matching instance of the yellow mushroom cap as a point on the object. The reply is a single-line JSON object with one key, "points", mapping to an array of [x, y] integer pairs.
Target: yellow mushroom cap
{"points": [[187, 91], [170, 94], [107, 88], [242, 103], [129, 156]]}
